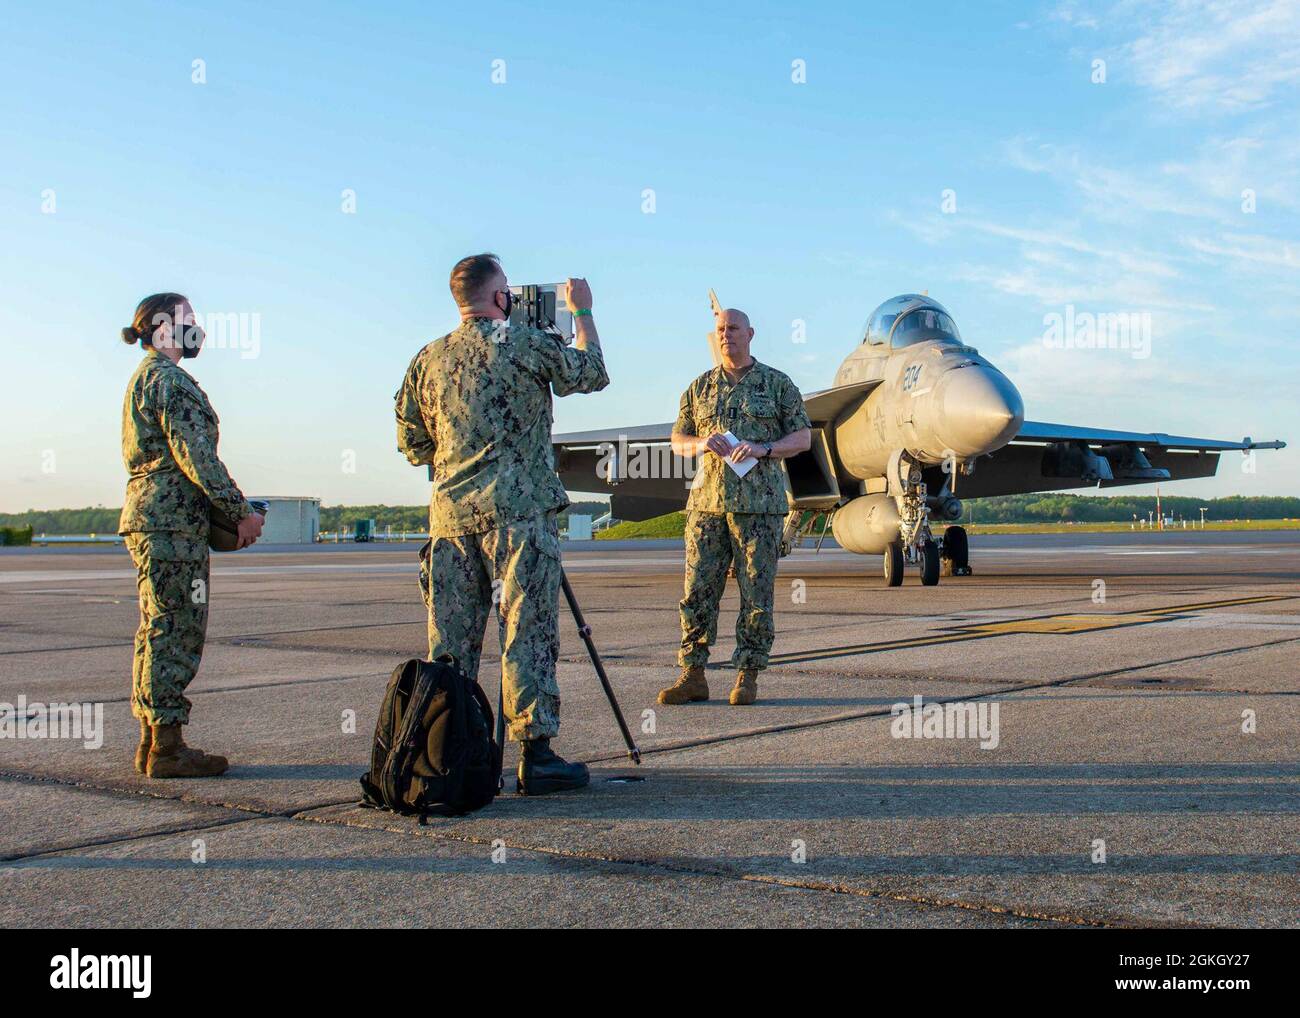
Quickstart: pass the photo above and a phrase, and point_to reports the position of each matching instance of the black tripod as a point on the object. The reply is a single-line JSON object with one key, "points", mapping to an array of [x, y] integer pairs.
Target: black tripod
{"points": [[584, 631]]}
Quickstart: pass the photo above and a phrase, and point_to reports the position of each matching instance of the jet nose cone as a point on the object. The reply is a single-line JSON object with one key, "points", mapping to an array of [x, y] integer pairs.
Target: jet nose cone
{"points": [[980, 411]]}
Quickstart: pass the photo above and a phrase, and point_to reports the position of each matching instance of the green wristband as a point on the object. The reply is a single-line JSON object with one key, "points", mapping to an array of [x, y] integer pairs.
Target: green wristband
{"points": [[582, 311]]}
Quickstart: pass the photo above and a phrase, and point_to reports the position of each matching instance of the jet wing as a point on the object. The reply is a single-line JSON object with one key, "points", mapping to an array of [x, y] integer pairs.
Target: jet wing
{"points": [[1055, 457], [651, 481], [642, 434], [826, 405], [823, 406], [1037, 431]]}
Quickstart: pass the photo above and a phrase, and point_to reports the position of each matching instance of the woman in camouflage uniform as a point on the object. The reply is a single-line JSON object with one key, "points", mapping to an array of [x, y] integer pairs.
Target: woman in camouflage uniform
{"points": [[169, 446]]}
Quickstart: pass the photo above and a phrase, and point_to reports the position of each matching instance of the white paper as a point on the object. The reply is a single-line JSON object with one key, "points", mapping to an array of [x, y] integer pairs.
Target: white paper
{"points": [[744, 466]]}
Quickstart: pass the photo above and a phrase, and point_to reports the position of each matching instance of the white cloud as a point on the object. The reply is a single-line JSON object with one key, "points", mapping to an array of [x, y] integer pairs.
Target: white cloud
{"points": [[1266, 162], [1231, 56], [1134, 260], [1056, 266], [1227, 56], [1070, 14], [1111, 193], [1252, 249]]}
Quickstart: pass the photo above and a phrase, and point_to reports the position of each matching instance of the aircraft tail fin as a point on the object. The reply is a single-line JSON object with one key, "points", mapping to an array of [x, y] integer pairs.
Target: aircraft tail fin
{"points": [[714, 348]]}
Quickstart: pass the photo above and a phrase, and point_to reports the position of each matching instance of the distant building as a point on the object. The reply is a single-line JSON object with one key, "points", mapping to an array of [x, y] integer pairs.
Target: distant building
{"points": [[579, 527], [290, 520]]}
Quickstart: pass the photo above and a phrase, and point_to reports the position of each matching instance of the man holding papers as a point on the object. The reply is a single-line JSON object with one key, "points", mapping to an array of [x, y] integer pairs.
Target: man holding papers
{"points": [[739, 418]]}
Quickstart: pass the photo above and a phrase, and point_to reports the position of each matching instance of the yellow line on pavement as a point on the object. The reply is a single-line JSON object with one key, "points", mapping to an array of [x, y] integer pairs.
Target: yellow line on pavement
{"points": [[1055, 625]]}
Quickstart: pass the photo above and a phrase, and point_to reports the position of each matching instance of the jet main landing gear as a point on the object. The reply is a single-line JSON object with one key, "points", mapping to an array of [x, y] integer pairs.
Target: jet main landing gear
{"points": [[955, 552], [894, 565]]}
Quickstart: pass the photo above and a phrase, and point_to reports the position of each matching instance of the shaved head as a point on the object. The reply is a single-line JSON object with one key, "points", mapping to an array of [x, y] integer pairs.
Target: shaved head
{"points": [[734, 336]]}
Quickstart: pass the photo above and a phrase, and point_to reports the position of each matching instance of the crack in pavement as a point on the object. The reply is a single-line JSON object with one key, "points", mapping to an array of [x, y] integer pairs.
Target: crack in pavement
{"points": [[308, 815], [11, 860], [24, 777], [258, 685], [700, 871], [885, 711]]}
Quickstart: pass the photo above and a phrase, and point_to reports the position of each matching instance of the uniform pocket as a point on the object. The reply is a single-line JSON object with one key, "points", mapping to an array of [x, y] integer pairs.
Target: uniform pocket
{"points": [[758, 422], [546, 536], [171, 573], [711, 425], [204, 405], [760, 406], [173, 587], [166, 546]]}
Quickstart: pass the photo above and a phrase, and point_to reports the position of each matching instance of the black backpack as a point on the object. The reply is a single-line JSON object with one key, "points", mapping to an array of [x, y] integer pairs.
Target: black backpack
{"points": [[433, 750]]}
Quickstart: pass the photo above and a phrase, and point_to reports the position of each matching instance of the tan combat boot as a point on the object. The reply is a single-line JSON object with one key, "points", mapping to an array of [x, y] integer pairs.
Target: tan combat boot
{"points": [[746, 688], [690, 688], [169, 757], [142, 750]]}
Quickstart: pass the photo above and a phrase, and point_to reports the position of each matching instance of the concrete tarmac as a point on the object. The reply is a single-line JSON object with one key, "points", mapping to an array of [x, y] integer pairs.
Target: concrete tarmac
{"points": [[1138, 762]]}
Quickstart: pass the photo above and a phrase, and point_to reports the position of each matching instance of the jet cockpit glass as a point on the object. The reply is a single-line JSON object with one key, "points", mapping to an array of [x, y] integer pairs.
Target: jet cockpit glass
{"points": [[921, 324], [878, 327], [885, 319]]}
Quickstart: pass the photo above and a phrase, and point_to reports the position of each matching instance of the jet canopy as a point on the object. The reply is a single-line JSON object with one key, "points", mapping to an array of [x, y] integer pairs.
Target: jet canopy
{"points": [[910, 318]]}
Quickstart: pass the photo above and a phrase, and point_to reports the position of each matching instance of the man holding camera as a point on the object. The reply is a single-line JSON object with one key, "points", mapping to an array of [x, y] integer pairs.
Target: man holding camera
{"points": [[734, 517], [476, 406]]}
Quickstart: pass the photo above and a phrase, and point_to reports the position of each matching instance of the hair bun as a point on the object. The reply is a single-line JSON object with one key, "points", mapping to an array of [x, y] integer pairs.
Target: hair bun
{"points": [[130, 336]]}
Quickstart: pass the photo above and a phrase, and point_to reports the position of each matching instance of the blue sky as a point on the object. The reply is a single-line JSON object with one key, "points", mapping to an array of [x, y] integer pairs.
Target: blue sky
{"points": [[809, 201]]}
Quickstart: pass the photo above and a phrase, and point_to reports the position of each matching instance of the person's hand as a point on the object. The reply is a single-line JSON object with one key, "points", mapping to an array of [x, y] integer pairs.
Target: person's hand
{"points": [[578, 295], [250, 529], [718, 445], [742, 451]]}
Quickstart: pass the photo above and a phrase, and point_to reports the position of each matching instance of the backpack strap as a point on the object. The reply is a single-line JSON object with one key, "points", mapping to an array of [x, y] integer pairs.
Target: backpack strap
{"points": [[394, 777], [399, 684]]}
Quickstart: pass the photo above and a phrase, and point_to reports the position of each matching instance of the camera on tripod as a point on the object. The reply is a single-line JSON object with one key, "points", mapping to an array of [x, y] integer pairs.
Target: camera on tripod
{"points": [[543, 306]]}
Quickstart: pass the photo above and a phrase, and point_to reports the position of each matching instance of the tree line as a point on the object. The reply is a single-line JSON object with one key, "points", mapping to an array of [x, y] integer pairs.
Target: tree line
{"points": [[408, 518], [1122, 508], [1001, 509], [101, 520]]}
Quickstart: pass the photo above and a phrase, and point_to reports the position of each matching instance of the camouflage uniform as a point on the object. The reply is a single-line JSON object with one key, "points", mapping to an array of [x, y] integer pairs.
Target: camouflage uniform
{"points": [[735, 518], [476, 406], [169, 446]]}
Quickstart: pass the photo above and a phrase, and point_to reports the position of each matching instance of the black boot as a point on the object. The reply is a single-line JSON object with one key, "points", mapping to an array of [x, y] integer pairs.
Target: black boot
{"points": [[542, 770]]}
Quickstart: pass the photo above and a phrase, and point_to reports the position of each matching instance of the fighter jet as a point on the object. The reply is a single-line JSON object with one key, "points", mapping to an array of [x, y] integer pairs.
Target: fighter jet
{"points": [[915, 421]]}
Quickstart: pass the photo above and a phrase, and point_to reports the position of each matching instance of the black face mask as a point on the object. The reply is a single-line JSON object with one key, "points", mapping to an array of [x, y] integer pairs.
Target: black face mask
{"points": [[191, 338], [510, 302]]}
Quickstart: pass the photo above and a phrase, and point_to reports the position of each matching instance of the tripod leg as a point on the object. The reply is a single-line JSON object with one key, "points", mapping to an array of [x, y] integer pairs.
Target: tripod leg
{"points": [[501, 725], [501, 722], [584, 631]]}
